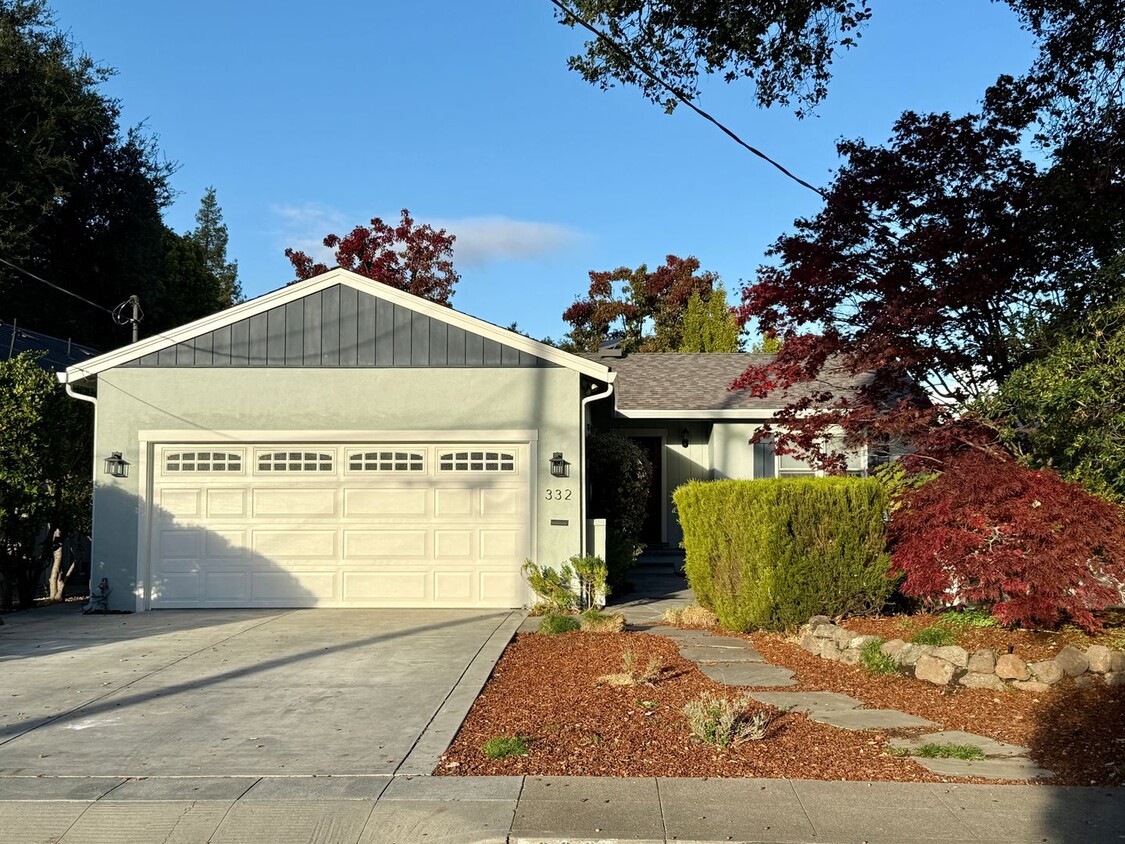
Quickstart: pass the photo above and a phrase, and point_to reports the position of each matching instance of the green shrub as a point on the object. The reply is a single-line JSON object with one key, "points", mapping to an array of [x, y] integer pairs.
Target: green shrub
{"points": [[874, 660], [934, 636], [723, 722], [620, 475], [552, 625], [504, 746], [552, 587], [594, 621], [773, 553], [592, 574], [969, 617]]}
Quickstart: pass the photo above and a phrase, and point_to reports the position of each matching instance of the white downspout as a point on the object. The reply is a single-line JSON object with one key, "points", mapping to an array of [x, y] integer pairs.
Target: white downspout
{"points": [[582, 454], [64, 377]]}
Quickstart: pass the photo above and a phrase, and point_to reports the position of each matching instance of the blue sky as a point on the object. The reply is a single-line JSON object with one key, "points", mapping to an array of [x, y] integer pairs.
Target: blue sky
{"points": [[310, 118]]}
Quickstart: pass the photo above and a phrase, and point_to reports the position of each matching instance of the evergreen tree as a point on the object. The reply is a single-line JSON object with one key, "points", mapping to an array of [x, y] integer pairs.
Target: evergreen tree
{"points": [[709, 325], [210, 234]]}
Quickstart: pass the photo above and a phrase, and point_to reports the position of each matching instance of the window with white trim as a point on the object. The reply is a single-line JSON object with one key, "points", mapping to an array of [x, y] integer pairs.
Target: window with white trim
{"points": [[295, 461], [476, 461], [386, 461], [203, 461], [792, 466]]}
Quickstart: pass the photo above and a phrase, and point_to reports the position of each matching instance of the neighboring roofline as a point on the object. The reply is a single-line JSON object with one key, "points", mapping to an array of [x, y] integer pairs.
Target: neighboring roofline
{"points": [[724, 413], [300, 289]]}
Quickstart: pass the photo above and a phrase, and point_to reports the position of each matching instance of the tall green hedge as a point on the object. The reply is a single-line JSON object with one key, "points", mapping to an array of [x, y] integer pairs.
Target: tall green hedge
{"points": [[771, 553]]}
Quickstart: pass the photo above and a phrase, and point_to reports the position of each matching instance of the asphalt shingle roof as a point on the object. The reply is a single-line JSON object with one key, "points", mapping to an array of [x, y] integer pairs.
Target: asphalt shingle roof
{"points": [[697, 382]]}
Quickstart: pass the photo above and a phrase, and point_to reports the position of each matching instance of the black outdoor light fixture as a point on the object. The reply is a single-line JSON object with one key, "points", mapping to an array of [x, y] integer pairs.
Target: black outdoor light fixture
{"points": [[559, 467], [117, 465], [685, 437]]}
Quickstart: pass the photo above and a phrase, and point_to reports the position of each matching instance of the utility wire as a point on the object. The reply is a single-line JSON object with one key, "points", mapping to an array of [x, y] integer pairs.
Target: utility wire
{"points": [[54, 286], [684, 98]]}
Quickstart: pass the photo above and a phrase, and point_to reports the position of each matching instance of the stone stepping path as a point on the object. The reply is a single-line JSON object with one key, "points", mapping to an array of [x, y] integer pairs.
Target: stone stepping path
{"points": [[736, 662], [1002, 761], [841, 711], [726, 659]]}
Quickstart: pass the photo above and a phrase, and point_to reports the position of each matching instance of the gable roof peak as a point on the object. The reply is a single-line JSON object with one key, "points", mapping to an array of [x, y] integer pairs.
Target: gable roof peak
{"points": [[300, 289]]}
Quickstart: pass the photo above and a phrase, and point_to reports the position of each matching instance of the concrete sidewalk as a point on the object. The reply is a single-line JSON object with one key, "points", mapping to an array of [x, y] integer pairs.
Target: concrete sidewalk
{"points": [[545, 810]]}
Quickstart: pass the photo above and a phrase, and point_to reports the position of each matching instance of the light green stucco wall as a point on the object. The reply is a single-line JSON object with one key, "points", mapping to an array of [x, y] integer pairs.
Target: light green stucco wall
{"points": [[133, 400], [732, 456]]}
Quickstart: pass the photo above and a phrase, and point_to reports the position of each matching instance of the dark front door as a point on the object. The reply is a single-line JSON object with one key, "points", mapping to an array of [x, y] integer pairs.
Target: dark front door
{"points": [[653, 447]]}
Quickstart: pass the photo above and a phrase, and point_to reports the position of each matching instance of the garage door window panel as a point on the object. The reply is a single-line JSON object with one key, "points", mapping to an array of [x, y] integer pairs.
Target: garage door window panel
{"points": [[179, 462], [386, 461], [472, 460], [317, 462]]}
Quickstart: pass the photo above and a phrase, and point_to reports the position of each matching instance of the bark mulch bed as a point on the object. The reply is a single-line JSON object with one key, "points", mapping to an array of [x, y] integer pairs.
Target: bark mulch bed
{"points": [[545, 688]]}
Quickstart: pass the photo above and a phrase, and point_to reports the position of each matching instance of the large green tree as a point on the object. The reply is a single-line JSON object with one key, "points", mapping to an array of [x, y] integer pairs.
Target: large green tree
{"points": [[641, 310], [44, 478], [709, 325], [81, 199], [1066, 409], [786, 49]]}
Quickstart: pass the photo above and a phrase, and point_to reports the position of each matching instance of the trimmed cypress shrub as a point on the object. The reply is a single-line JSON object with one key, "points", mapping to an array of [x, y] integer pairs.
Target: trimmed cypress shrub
{"points": [[772, 553]]}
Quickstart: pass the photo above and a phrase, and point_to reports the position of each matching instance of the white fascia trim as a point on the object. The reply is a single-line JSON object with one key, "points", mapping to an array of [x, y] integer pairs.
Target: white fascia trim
{"points": [[315, 436], [748, 414], [300, 289]]}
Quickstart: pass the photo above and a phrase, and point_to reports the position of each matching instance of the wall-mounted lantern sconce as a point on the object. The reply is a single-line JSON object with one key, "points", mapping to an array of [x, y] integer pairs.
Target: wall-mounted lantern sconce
{"points": [[559, 467], [117, 465], [685, 437]]}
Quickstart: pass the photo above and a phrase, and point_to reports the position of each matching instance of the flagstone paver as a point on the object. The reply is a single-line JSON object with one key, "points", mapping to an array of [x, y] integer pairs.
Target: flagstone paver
{"points": [[988, 746], [748, 674], [720, 654], [736, 662]]}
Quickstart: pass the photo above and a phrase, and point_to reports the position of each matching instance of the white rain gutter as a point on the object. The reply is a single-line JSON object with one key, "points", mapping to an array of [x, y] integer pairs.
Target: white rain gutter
{"points": [[582, 452]]}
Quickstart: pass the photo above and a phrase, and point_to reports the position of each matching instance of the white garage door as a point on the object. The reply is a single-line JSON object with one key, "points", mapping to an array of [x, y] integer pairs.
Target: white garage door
{"points": [[364, 525]]}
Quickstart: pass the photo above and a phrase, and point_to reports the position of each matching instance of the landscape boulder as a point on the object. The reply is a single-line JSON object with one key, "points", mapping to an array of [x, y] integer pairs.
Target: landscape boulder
{"points": [[981, 680], [1047, 671], [1084, 681], [1117, 661], [1115, 678], [954, 654], [892, 647], [982, 661], [1031, 686], [1072, 661], [859, 641], [1011, 667], [934, 670], [1098, 657]]}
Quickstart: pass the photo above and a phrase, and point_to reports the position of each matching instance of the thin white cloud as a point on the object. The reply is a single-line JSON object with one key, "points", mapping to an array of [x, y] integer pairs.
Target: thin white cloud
{"points": [[303, 227], [484, 240], [480, 240]]}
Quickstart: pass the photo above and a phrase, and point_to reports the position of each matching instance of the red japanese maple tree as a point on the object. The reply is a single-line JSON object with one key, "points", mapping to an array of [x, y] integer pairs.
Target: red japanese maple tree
{"points": [[919, 272], [1037, 548], [415, 258]]}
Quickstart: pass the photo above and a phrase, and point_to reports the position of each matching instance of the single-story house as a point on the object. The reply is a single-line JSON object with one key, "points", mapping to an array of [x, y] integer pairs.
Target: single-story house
{"points": [[341, 443]]}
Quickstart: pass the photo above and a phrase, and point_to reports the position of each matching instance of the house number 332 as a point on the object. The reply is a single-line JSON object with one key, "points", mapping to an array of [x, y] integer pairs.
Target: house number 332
{"points": [[558, 494]]}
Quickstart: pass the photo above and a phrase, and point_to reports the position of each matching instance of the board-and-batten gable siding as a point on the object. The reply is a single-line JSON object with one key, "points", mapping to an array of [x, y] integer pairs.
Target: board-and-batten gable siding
{"points": [[339, 326]]}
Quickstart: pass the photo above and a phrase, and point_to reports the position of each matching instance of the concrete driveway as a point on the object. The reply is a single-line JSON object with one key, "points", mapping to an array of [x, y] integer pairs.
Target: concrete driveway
{"points": [[239, 692]]}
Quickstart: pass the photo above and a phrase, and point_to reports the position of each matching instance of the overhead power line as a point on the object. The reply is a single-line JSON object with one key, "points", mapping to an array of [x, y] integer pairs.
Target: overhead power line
{"points": [[54, 286], [684, 98]]}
